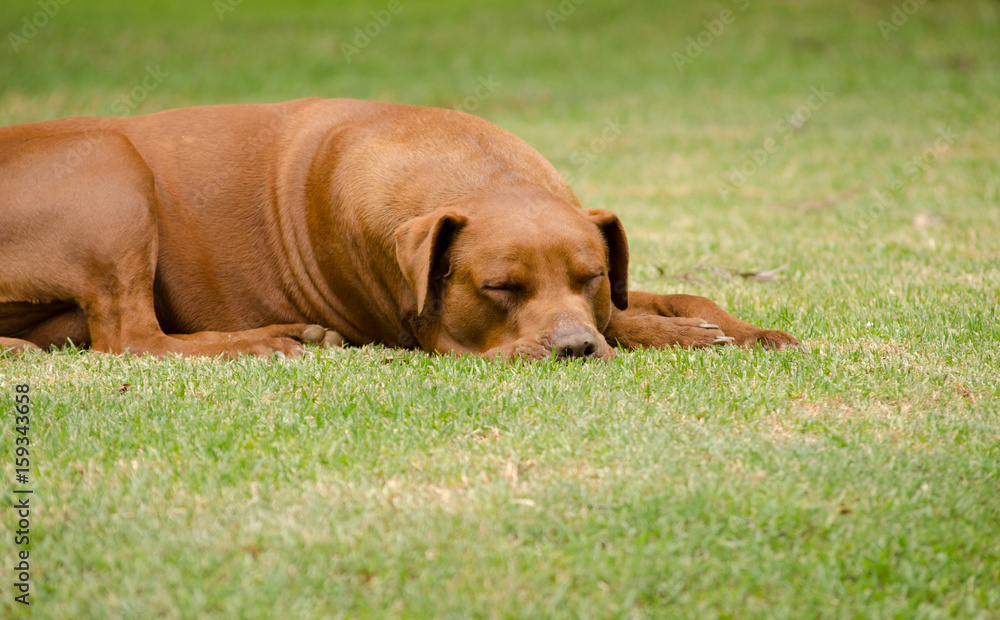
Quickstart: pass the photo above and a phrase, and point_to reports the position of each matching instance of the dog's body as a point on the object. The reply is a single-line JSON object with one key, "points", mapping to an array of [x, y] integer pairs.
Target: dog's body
{"points": [[241, 228]]}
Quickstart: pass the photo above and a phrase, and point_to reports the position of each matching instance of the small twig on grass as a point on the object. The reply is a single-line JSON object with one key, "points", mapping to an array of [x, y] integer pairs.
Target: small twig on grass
{"points": [[726, 273], [762, 276], [688, 276]]}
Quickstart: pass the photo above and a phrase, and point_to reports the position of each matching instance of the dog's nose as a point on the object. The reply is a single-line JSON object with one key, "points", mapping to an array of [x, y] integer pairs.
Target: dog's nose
{"points": [[578, 343]]}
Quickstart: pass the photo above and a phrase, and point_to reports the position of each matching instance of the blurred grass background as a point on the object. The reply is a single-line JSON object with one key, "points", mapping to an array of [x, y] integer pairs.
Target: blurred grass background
{"points": [[858, 481]]}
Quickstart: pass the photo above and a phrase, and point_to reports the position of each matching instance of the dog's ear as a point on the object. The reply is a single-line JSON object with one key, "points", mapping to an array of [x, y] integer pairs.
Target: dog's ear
{"points": [[617, 245], [422, 246]]}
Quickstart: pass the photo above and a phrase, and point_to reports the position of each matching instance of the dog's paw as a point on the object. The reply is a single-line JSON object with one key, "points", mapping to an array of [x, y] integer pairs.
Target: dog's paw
{"points": [[16, 346], [652, 331], [681, 332], [333, 339], [771, 339], [313, 334], [318, 335], [696, 333], [282, 348]]}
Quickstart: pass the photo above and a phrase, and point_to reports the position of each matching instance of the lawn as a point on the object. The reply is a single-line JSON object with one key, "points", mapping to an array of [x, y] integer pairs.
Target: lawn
{"points": [[830, 169]]}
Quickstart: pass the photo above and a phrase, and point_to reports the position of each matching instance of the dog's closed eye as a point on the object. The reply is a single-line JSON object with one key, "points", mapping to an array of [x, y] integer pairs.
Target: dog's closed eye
{"points": [[503, 287]]}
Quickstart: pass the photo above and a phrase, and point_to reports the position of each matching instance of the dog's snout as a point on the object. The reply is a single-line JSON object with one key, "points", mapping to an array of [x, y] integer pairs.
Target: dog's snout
{"points": [[579, 343]]}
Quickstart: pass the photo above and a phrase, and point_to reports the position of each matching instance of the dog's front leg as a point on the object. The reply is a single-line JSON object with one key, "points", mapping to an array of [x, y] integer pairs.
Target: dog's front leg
{"points": [[687, 320]]}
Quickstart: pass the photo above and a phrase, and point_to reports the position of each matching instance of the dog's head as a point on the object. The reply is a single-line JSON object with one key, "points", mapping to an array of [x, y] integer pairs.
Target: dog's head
{"points": [[520, 274]]}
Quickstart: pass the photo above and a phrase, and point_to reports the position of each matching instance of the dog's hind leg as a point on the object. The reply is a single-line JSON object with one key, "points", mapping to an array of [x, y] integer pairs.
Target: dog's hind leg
{"points": [[78, 228]]}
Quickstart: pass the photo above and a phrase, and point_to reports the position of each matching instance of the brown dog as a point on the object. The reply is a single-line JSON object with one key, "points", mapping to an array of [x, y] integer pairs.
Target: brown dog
{"points": [[242, 228]]}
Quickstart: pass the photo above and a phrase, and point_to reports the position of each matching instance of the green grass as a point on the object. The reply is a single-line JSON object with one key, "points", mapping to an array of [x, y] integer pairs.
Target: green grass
{"points": [[861, 480]]}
